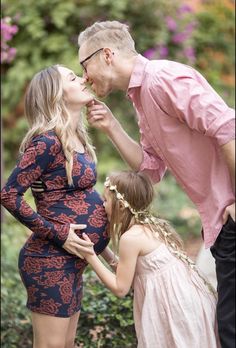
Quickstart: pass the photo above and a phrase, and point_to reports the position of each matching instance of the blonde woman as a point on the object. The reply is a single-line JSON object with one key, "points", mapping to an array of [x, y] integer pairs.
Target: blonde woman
{"points": [[58, 162], [174, 307]]}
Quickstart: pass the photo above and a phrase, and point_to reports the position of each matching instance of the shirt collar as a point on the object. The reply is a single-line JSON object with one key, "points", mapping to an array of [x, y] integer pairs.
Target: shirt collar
{"points": [[138, 72]]}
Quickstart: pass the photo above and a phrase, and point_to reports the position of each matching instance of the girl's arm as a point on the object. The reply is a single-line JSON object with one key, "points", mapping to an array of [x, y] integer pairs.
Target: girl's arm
{"points": [[120, 282], [110, 257]]}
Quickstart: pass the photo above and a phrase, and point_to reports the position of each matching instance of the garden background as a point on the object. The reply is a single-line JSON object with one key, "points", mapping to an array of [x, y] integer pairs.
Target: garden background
{"points": [[36, 34]]}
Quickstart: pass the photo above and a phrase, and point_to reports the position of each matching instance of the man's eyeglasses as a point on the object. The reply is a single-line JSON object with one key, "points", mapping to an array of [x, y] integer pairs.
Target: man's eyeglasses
{"points": [[91, 55]]}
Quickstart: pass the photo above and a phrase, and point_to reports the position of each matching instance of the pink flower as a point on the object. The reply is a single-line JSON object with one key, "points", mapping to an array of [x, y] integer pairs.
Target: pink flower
{"points": [[179, 38], [171, 23], [163, 52], [8, 30], [150, 53]]}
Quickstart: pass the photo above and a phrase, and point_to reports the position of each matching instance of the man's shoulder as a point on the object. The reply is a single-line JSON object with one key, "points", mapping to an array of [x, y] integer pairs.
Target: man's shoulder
{"points": [[157, 71]]}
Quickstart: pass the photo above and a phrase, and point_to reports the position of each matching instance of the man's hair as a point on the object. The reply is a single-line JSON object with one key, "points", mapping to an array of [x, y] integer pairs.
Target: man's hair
{"points": [[113, 33]]}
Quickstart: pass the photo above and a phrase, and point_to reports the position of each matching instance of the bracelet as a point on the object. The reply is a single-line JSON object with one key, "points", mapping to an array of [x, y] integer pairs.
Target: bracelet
{"points": [[113, 263]]}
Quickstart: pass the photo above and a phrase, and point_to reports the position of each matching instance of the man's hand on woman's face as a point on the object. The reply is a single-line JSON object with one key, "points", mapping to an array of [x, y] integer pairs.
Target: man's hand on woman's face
{"points": [[76, 245], [100, 116]]}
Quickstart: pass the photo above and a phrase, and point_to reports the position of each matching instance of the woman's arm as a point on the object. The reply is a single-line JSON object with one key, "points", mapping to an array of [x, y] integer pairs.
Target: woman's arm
{"points": [[120, 282], [33, 163]]}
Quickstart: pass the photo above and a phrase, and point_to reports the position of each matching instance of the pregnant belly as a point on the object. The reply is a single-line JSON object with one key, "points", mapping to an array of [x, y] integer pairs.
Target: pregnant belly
{"points": [[88, 211]]}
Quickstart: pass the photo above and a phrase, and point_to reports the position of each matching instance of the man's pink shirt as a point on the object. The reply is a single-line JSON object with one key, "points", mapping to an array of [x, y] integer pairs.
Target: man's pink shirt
{"points": [[183, 122]]}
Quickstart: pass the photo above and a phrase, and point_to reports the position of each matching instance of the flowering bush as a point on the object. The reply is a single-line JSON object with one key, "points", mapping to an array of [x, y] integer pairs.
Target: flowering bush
{"points": [[8, 30], [177, 42]]}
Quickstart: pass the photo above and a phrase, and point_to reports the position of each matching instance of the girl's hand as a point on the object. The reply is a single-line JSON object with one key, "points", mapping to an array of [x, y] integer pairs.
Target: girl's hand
{"points": [[88, 240], [75, 245], [100, 116]]}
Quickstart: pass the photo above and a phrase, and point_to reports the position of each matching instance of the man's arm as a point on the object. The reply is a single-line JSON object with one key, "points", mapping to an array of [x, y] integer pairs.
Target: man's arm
{"points": [[99, 116], [228, 151]]}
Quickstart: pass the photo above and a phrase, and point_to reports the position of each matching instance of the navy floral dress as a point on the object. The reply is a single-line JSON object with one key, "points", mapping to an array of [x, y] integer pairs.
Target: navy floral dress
{"points": [[51, 275]]}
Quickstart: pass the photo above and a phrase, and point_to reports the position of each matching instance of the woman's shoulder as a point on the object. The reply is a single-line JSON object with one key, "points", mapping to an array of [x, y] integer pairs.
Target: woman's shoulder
{"points": [[49, 138], [45, 136], [44, 144]]}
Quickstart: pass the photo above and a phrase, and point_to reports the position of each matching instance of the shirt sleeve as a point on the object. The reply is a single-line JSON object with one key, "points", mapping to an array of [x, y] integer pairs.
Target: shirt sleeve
{"points": [[184, 93], [151, 164], [32, 164]]}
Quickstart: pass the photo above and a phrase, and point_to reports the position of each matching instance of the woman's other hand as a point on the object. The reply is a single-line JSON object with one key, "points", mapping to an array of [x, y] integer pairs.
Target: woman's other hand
{"points": [[88, 255], [76, 245]]}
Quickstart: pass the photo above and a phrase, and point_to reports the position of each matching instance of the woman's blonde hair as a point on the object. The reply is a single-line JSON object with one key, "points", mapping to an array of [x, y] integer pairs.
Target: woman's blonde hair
{"points": [[46, 110], [101, 34], [131, 196]]}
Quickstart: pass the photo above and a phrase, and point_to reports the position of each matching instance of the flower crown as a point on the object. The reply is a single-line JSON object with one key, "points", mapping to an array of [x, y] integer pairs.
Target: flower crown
{"points": [[142, 216]]}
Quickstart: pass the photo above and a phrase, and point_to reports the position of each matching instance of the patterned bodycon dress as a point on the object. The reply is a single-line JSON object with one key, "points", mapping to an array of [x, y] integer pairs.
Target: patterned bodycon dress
{"points": [[52, 276]]}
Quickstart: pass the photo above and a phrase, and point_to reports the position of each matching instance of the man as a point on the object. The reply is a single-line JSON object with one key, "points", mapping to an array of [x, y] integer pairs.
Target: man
{"points": [[185, 126]]}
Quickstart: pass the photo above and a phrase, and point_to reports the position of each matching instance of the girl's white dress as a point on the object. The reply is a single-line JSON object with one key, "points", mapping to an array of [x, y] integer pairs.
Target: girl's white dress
{"points": [[173, 308]]}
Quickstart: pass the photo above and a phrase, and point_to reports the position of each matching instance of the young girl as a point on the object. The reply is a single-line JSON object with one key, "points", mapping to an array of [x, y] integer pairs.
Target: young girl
{"points": [[58, 162], [173, 305]]}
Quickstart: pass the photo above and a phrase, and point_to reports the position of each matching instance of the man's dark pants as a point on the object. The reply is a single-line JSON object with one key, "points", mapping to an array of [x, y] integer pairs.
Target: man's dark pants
{"points": [[224, 253]]}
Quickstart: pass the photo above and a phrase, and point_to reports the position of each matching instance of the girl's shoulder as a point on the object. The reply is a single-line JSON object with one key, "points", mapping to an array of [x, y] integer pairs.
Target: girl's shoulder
{"points": [[142, 238], [135, 232]]}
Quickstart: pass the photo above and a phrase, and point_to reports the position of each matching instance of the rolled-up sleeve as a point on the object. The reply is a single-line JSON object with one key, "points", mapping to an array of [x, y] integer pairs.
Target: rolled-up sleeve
{"points": [[188, 96], [151, 164]]}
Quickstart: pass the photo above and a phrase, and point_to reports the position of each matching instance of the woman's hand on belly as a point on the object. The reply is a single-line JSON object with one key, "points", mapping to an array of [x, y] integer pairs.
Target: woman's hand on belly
{"points": [[74, 245]]}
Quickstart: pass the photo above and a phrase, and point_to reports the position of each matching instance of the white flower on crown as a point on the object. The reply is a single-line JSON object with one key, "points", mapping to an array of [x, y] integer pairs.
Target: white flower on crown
{"points": [[121, 198]]}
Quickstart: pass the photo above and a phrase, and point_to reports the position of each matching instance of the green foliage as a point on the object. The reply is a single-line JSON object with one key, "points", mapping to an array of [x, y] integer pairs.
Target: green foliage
{"points": [[172, 204], [105, 321], [215, 47], [15, 322]]}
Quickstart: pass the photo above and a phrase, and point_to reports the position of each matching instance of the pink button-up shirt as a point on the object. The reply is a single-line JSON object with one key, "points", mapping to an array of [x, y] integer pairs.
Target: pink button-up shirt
{"points": [[183, 122]]}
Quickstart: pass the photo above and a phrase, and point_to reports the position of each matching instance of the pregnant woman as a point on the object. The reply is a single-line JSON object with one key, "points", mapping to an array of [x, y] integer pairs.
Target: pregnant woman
{"points": [[56, 155]]}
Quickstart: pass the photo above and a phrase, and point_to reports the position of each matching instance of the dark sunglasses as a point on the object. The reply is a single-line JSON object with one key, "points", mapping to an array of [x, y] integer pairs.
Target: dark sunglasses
{"points": [[91, 55]]}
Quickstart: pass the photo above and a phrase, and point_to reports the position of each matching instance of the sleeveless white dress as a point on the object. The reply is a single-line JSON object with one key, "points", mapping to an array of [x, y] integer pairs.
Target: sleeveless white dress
{"points": [[173, 308]]}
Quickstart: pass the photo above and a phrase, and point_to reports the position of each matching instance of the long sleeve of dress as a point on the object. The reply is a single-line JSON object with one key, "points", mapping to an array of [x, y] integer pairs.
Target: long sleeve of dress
{"points": [[32, 164]]}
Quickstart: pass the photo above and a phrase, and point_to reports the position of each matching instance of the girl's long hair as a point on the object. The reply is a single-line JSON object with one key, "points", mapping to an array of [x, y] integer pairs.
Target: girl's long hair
{"points": [[137, 190], [46, 110]]}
